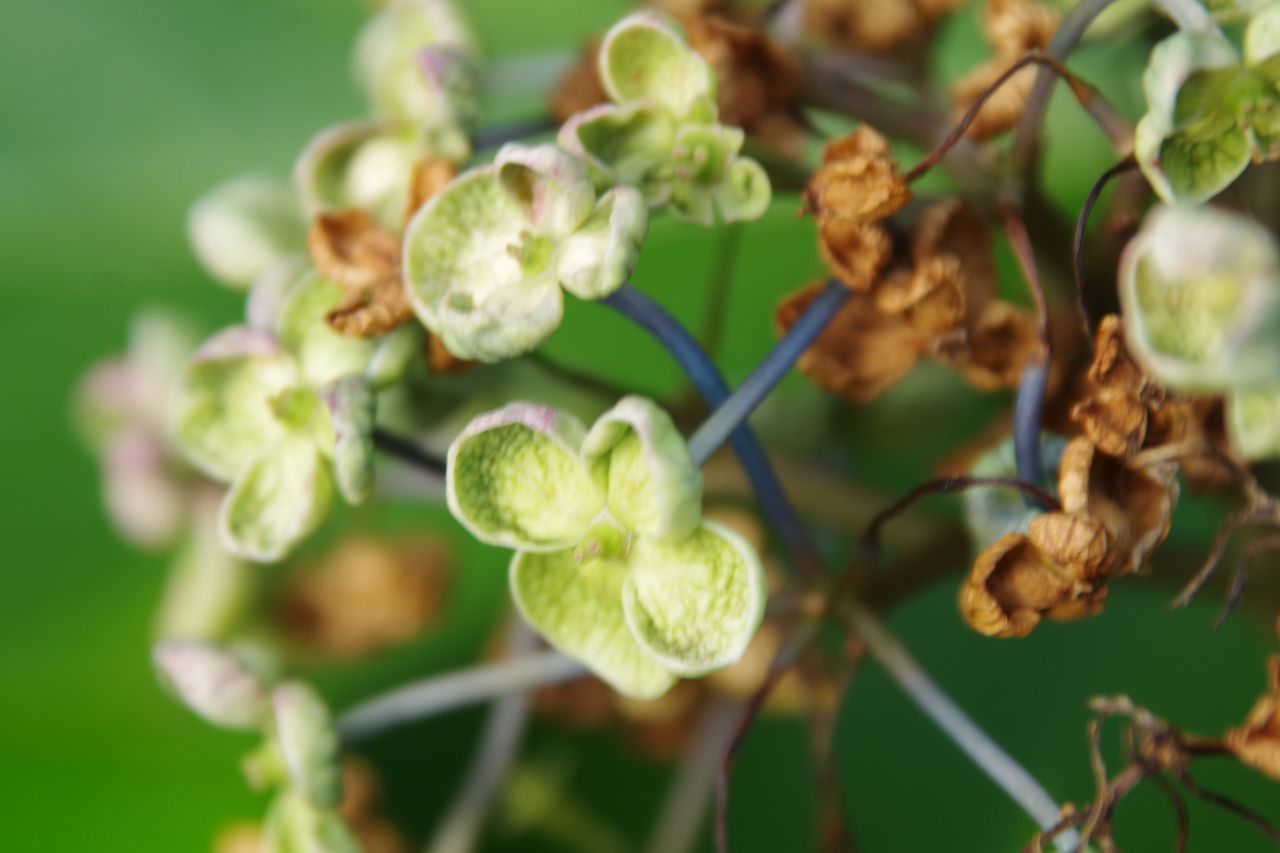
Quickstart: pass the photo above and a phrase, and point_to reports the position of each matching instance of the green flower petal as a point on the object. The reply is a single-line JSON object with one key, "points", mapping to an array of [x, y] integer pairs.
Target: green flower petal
{"points": [[295, 826], [280, 498], [600, 256], [1175, 59], [645, 58], [1200, 292], [624, 144], [641, 463], [361, 165], [213, 683], [695, 604], [389, 64], [578, 609], [393, 355], [1253, 422], [474, 276], [239, 228], [1198, 167], [308, 743], [515, 479], [1262, 36], [222, 413], [323, 354], [207, 590], [744, 192], [551, 188], [351, 404]]}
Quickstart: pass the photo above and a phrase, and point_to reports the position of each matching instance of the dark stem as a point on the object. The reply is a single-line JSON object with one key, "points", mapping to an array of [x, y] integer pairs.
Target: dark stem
{"points": [[499, 135], [1229, 805], [946, 486], [748, 716], [407, 451], [1028, 406], [1077, 238]]}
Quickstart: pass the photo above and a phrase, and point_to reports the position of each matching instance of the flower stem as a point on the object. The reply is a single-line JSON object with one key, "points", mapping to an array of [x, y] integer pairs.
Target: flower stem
{"points": [[734, 410], [454, 690], [406, 451], [710, 385]]}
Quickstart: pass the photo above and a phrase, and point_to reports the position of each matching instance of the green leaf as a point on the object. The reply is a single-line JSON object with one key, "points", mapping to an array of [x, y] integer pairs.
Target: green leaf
{"points": [[241, 227], [578, 609], [222, 414], [646, 58], [279, 499], [695, 604], [640, 461], [1253, 423], [213, 682], [1200, 292], [351, 405], [469, 276], [551, 187], [602, 254], [308, 743], [323, 354], [515, 479]]}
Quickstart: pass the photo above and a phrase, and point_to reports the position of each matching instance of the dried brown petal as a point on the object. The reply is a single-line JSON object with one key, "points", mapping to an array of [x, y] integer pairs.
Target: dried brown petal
{"points": [[952, 228], [858, 180], [373, 311], [1256, 741], [1205, 426], [584, 703], [440, 360], [1000, 344], [1003, 109], [855, 253], [878, 27], [1112, 364], [1074, 540], [365, 595], [1114, 419], [862, 351], [930, 298], [1010, 586], [1013, 27], [755, 76], [352, 250], [579, 88], [430, 175]]}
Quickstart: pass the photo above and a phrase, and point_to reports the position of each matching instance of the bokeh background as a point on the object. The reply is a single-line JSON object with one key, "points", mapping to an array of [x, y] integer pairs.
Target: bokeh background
{"points": [[115, 115]]}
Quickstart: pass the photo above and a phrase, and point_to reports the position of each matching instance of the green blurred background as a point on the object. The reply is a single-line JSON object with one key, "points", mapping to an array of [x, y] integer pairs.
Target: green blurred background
{"points": [[114, 116]]}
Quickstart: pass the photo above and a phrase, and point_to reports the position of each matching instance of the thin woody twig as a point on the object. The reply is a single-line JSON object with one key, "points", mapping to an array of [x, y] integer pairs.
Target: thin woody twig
{"points": [[945, 486], [1077, 238]]}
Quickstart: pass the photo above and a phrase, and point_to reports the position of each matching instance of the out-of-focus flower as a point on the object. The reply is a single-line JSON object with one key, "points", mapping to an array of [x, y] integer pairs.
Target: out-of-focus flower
{"points": [[882, 27], [365, 595], [241, 228]]}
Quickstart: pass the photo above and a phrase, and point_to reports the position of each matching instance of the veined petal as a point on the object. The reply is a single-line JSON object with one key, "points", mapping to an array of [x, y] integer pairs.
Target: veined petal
{"points": [[645, 58], [323, 354], [213, 682], [351, 404], [280, 498], [694, 604], [1175, 59], [640, 461], [473, 276], [580, 613], [239, 228], [308, 743], [551, 187], [600, 256], [222, 413], [627, 144], [515, 479]]}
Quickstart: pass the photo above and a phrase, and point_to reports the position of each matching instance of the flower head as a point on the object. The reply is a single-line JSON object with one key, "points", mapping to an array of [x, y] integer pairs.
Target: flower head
{"points": [[485, 258], [614, 564]]}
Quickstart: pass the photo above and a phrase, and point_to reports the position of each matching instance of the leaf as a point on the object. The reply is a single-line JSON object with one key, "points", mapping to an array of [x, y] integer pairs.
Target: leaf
{"points": [[515, 479], [695, 604], [579, 611], [639, 460]]}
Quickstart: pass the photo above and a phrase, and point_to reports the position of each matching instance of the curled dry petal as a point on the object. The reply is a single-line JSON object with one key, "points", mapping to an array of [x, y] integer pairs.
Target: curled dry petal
{"points": [[1000, 343], [1256, 741], [858, 180], [855, 252], [1013, 27], [879, 27], [352, 250]]}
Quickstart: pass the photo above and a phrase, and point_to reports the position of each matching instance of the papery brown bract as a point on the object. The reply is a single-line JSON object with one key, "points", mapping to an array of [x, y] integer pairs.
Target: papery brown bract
{"points": [[881, 27], [1256, 741]]}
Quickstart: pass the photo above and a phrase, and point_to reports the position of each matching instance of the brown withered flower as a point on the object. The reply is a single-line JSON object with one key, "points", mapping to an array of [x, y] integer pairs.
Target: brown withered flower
{"points": [[1052, 570], [1001, 339], [1256, 741], [857, 181], [353, 251], [880, 27], [1011, 28], [365, 595]]}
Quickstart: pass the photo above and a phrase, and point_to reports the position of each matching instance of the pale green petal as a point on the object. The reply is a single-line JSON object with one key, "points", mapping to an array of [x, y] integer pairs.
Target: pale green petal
{"points": [[515, 479], [550, 186], [1262, 36], [280, 498], [295, 826], [221, 411], [1199, 167], [361, 165], [390, 69], [213, 682], [640, 461], [645, 57], [323, 354], [308, 743], [351, 404], [744, 192], [241, 227], [694, 605], [1175, 59], [626, 144], [579, 611], [207, 590], [1253, 422], [473, 277], [601, 255], [1148, 135], [1200, 292]]}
